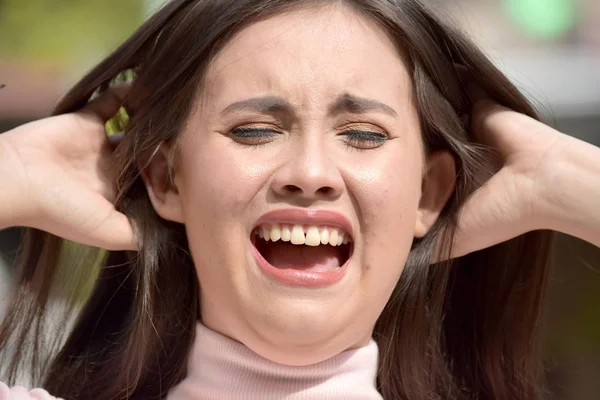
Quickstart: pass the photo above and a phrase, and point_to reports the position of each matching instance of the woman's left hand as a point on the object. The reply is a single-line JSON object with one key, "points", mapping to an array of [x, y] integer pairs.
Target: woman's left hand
{"points": [[545, 180]]}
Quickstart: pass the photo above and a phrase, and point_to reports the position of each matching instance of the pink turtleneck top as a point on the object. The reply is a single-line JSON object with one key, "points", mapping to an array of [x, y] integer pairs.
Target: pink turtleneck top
{"points": [[221, 368]]}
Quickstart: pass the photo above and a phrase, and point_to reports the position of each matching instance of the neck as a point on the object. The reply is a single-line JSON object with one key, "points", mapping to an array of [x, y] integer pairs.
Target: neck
{"points": [[220, 368]]}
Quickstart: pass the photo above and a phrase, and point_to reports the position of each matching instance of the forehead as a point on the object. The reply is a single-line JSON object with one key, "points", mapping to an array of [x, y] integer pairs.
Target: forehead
{"points": [[314, 51]]}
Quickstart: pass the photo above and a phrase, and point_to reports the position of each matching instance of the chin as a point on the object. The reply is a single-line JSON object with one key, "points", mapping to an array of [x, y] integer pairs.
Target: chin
{"points": [[296, 333]]}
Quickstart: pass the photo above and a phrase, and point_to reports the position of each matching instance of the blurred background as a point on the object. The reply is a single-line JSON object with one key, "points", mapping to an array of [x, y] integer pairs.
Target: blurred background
{"points": [[549, 48]]}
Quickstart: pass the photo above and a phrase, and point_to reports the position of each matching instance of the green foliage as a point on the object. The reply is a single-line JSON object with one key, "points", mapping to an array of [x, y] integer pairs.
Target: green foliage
{"points": [[65, 32]]}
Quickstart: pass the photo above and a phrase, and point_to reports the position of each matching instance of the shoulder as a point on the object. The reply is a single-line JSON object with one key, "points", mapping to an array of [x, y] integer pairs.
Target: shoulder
{"points": [[20, 393]]}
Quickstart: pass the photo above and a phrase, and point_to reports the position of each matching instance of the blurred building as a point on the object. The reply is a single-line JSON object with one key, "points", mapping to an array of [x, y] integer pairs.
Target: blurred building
{"points": [[549, 48]]}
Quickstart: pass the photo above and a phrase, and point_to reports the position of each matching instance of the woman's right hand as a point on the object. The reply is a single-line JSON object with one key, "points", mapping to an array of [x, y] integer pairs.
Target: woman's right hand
{"points": [[56, 176]]}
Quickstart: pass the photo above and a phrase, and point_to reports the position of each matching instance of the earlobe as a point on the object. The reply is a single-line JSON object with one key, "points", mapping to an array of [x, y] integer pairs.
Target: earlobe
{"points": [[158, 176], [438, 185]]}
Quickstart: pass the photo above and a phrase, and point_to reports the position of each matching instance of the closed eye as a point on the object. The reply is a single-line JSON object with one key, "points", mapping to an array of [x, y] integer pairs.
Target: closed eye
{"points": [[364, 140], [253, 136]]}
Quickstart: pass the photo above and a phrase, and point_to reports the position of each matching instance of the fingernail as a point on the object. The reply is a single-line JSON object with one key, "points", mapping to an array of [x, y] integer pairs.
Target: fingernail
{"points": [[115, 139]]}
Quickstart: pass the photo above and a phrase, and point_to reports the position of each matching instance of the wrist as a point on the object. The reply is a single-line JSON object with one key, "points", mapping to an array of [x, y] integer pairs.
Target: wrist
{"points": [[13, 196], [570, 192]]}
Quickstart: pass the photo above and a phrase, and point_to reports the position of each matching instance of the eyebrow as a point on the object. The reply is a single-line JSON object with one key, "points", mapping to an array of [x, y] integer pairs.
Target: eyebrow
{"points": [[359, 105], [277, 105], [266, 104]]}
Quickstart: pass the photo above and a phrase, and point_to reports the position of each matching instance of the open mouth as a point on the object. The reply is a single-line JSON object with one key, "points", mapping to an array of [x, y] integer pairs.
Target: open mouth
{"points": [[303, 247]]}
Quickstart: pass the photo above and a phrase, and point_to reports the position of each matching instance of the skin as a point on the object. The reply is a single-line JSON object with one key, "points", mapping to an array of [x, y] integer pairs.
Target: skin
{"points": [[327, 53], [58, 181], [547, 180], [541, 166]]}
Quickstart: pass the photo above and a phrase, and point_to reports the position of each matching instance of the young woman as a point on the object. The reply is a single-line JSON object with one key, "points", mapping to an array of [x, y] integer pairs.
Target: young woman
{"points": [[295, 210]]}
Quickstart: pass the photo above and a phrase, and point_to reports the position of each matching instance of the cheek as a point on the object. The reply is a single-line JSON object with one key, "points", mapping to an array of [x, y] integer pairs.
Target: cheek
{"points": [[387, 195], [217, 189], [217, 181]]}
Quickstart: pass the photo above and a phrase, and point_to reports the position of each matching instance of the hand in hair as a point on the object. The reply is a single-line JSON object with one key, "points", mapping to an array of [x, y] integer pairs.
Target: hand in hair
{"points": [[57, 178], [544, 180]]}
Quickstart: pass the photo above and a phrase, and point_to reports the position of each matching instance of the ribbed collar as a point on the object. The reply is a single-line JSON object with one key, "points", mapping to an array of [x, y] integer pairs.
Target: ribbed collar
{"points": [[221, 368]]}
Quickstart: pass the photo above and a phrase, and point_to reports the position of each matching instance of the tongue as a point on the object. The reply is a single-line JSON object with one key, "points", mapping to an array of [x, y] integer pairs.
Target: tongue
{"points": [[315, 259]]}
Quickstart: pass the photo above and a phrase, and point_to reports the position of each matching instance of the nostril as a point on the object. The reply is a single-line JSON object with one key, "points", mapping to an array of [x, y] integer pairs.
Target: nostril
{"points": [[291, 189], [325, 190]]}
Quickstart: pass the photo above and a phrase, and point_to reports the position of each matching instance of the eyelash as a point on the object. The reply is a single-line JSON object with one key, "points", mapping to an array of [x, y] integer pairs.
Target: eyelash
{"points": [[245, 136], [358, 137], [244, 132]]}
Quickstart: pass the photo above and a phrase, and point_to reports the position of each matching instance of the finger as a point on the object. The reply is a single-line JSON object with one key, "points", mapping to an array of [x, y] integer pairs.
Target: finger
{"points": [[116, 234], [115, 139], [497, 127], [489, 216], [113, 232], [108, 103], [483, 108]]}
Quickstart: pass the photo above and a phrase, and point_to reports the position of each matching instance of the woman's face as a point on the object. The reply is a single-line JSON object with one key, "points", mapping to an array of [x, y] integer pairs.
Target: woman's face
{"points": [[305, 130]]}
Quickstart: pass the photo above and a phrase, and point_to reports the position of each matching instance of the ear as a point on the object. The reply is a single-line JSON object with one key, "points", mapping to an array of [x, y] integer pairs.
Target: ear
{"points": [[438, 184], [159, 178]]}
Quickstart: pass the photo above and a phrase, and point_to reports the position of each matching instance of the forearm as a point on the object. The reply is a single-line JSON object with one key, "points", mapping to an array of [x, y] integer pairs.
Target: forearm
{"points": [[574, 195]]}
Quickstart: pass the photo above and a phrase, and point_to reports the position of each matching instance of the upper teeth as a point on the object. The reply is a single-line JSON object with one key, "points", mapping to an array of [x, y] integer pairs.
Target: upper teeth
{"points": [[303, 234]]}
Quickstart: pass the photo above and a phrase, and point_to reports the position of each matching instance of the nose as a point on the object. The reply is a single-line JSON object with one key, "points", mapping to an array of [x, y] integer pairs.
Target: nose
{"points": [[308, 173]]}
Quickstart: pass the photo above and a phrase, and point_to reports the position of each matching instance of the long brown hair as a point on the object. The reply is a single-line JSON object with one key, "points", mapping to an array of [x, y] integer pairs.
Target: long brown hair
{"points": [[462, 329]]}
